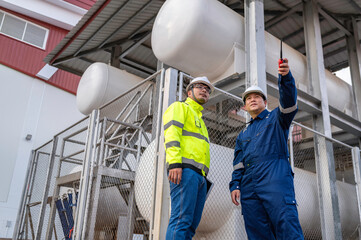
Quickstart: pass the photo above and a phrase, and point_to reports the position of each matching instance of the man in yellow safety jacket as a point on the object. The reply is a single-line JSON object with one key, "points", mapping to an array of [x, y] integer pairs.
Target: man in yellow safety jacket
{"points": [[187, 155]]}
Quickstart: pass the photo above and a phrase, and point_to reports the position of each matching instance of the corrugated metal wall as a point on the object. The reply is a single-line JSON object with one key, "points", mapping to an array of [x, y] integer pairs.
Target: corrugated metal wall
{"points": [[29, 59]]}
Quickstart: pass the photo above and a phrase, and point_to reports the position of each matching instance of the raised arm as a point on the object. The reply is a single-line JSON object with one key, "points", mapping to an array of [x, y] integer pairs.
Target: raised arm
{"points": [[288, 94]]}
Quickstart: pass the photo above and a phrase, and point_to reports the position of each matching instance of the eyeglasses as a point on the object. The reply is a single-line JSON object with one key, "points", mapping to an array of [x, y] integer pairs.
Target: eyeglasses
{"points": [[201, 86]]}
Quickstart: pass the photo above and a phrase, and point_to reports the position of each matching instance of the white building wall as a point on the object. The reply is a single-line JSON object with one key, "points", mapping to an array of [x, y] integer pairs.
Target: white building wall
{"points": [[28, 106], [55, 12]]}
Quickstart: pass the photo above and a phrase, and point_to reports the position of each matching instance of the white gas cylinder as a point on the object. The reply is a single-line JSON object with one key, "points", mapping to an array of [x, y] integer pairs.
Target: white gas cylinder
{"points": [[101, 83]]}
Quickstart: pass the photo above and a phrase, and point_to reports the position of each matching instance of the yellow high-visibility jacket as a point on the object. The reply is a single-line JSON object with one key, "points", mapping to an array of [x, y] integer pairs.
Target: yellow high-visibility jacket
{"points": [[186, 137]]}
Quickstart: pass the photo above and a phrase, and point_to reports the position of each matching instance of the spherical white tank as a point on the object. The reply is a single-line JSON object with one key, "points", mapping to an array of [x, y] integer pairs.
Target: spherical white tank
{"points": [[203, 31], [101, 83], [218, 208]]}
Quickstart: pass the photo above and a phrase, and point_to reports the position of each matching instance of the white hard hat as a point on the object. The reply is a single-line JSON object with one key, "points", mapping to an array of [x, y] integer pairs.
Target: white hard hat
{"points": [[203, 80], [253, 89]]}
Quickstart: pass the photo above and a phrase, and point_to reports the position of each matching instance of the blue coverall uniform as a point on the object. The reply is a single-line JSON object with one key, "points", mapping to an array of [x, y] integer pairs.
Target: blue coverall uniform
{"points": [[263, 174]]}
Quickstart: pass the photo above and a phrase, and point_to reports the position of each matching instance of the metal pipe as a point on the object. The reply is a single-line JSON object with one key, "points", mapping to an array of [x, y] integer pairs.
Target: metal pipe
{"points": [[73, 154], [92, 165], [121, 147], [46, 189], [75, 133], [159, 115], [131, 110], [230, 95], [121, 113], [75, 141], [180, 90], [84, 180], [356, 162], [20, 215], [49, 230], [125, 124], [322, 135], [101, 153]]}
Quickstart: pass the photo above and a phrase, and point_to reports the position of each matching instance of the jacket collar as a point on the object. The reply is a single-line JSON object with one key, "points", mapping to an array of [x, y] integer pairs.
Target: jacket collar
{"points": [[262, 115], [194, 104]]}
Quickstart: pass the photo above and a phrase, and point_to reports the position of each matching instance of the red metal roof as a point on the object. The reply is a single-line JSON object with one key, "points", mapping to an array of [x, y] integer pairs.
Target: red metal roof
{"points": [[29, 59]]}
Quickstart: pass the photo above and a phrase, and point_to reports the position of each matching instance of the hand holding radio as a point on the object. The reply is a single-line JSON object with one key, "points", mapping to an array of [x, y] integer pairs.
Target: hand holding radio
{"points": [[283, 67]]}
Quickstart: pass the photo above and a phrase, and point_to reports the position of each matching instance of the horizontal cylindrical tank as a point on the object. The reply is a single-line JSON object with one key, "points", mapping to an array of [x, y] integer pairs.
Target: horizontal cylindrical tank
{"points": [[197, 37], [101, 83], [218, 208]]}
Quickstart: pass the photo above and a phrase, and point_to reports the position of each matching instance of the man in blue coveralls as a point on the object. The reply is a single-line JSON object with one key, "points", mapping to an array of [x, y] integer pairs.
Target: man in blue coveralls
{"points": [[261, 171]]}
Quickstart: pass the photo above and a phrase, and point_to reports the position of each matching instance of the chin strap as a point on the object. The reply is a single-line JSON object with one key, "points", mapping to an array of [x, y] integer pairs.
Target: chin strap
{"points": [[195, 99]]}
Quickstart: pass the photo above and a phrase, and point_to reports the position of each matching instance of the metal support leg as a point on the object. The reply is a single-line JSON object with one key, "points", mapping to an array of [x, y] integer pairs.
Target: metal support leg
{"points": [[85, 181], [49, 176], [325, 163], [24, 198], [356, 162]]}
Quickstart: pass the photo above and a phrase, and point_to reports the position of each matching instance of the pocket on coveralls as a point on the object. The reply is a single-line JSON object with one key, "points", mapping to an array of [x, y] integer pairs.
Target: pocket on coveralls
{"points": [[290, 200]]}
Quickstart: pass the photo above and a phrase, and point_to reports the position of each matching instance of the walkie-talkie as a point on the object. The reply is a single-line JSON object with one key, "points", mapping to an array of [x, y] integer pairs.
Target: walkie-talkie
{"points": [[281, 59]]}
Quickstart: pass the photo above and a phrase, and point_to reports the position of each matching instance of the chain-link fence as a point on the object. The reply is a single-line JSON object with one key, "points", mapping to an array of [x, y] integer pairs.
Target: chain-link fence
{"points": [[34, 191], [312, 178], [56, 159], [97, 179]]}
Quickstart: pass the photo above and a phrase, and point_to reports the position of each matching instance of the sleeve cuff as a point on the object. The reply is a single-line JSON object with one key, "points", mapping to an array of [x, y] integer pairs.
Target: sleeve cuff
{"points": [[234, 186], [175, 165]]}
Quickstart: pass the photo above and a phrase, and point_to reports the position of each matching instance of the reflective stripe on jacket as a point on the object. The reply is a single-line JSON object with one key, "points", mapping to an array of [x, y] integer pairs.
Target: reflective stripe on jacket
{"points": [[265, 138], [186, 137]]}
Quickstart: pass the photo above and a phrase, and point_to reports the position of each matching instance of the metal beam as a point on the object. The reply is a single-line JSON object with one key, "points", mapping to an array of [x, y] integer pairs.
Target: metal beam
{"points": [[101, 27], [114, 57], [279, 18], [255, 44], [338, 66], [334, 52], [333, 31], [135, 45], [106, 46], [355, 5], [130, 19], [333, 21], [160, 201], [281, 4], [333, 42], [89, 51], [325, 162], [138, 65], [354, 56]]}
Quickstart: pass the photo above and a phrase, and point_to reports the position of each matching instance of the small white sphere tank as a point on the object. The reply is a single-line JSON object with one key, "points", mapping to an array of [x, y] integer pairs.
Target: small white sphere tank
{"points": [[204, 31], [101, 83]]}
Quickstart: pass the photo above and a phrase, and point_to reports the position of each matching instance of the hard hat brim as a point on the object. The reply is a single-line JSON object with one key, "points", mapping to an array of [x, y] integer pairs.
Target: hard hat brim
{"points": [[246, 93], [200, 81]]}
